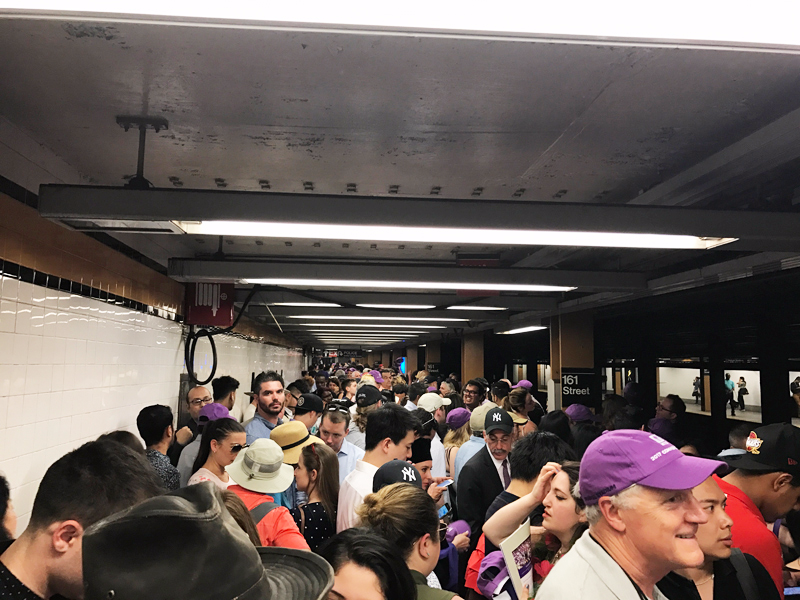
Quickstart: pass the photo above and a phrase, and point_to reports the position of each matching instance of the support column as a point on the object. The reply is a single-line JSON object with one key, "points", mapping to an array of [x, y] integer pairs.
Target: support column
{"points": [[773, 361], [472, 356], [433, 355], [716, 378], [412, 359], [571, 353], [386, 358]]}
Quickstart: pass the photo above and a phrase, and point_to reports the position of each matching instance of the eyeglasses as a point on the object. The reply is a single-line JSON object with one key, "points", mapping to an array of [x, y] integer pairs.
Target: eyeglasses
{"points": [[201, 401], [236, 448], [471, 392], [662, 407]]}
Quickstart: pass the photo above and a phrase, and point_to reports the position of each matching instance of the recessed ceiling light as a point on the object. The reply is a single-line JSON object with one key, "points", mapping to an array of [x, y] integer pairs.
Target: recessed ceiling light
{"points": [[381, 325], [318, 304], [476, 308], [522, 330], [445, 235], [410, 285], [399, 306], [360, 318]]}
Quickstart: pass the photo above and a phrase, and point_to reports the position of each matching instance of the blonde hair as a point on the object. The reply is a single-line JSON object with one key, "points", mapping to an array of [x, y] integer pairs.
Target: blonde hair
{"points": [[360, 418], [456, 438], [400, 513]]}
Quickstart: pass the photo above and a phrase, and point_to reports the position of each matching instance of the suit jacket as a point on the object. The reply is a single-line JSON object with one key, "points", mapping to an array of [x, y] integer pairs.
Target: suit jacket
{"points": [[478, 486]]}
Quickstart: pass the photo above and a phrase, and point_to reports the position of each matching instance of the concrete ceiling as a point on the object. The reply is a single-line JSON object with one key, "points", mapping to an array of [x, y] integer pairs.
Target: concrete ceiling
{"points": [[309, 112]]}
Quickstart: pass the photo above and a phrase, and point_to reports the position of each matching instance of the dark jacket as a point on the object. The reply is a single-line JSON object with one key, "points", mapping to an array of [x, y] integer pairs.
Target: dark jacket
{"points": [[726, 584], [478, 485]]}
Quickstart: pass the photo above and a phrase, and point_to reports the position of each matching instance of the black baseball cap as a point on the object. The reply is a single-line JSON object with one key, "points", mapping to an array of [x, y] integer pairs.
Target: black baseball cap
{"points": [[497, 418], [421, 450], [396, 471], [770, 448], [309, 402], [368, 395]]}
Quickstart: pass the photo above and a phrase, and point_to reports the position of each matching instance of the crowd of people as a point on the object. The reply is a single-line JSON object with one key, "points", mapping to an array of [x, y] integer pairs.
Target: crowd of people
{"points": [[352, 483]]}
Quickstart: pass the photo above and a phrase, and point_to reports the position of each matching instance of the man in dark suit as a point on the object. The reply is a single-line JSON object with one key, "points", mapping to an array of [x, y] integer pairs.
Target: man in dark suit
{"points": [[486, 474]]}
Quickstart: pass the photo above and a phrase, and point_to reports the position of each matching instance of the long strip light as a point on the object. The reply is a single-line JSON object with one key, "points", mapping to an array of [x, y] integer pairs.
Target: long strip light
{"points": [[360, 318], [522, 330], [409, 285], [382, 325], [617, 18], [477, 308], [351, 331], [450, 235], [308, 304], [398, 306]]}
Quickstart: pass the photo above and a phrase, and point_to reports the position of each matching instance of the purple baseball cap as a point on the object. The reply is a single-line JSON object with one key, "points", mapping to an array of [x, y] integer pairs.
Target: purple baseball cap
{"points": [[458, 417], [523, 383], [618, 459], [213, 411], [457, 528], [376, 375], [580, 414]]}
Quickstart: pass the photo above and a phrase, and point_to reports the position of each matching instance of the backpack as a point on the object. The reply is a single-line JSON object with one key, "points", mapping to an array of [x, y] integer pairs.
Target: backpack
{"points": [[744, 574], [261, 511]]}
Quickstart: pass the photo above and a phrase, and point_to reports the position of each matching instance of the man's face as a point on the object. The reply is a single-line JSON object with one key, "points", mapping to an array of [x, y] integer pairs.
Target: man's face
{"points": [[781, 498], [424, 469], [662, 527], [499, 443], [472, 396], [271, 398], [713, 537], [332, 434], [321, 381], [308, 419], [291, 395], [326, 396], [401, 451], [664, 409], [197, 398], [445, 389], [350, 387], [440, 415]]}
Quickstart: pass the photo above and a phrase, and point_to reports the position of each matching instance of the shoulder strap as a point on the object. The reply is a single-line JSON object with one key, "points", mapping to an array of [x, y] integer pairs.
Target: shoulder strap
{"points": [[261, 511], [744, 574]]}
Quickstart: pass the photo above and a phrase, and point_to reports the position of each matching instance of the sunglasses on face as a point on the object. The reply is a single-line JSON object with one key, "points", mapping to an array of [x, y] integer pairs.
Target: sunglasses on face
{"points": [[236, 448]]}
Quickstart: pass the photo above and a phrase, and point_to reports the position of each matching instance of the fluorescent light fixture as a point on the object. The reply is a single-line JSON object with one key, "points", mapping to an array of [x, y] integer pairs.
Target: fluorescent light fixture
{"points": [[457, 236], [616, 18], [382, 325], [400, 306], [308, 304], [357, 318], [522, 330], [423, 345], [476, 308], [370, 331], [410, 285]]}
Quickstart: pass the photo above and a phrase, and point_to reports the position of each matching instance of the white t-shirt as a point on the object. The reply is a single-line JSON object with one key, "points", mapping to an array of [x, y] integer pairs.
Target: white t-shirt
{"points": [[204, 474], [355, 487]]}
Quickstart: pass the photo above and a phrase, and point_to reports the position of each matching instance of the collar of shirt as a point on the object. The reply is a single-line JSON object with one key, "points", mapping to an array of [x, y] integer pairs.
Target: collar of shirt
{"points": [[366, 467], [732, 490], [269, 425], [346, 449], [498, 464]]}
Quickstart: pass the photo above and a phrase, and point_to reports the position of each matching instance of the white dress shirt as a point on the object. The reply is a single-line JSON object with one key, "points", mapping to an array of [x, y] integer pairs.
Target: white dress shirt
{"points": [[355, 487], [498, 464]]}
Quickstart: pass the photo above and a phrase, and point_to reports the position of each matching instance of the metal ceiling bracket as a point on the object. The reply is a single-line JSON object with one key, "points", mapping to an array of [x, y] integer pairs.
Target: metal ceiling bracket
{"points": [[138, 182]]}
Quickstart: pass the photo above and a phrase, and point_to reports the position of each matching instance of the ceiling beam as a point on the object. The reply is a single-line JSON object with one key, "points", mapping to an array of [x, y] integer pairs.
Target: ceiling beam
{"points": [[759, 230], [236, 271]]}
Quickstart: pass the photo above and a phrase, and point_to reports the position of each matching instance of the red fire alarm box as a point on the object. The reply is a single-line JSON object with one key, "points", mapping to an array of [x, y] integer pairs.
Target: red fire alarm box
{"points": [[210, 304]]}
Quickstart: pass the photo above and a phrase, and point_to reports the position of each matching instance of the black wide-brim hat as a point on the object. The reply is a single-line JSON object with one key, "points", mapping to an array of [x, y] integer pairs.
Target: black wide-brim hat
{"points": [[186, 546]]}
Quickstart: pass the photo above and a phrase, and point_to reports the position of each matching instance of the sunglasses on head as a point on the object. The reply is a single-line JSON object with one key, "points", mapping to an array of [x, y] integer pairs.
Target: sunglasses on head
{"points": [[336, 408]]}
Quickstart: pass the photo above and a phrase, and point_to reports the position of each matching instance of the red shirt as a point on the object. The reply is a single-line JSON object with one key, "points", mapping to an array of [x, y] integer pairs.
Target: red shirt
{"points": [[750, 532], [278, 527]]}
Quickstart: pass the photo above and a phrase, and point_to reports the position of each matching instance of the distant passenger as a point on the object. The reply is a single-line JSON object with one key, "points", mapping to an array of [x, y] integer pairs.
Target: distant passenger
{"points": [[155, 427], [333, 430], [268, 388], [196, 399], [225, 393]]}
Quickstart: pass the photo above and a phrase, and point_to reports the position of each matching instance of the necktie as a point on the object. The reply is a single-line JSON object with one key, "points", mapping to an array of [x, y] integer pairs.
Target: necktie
{"points": [[506, 474]]}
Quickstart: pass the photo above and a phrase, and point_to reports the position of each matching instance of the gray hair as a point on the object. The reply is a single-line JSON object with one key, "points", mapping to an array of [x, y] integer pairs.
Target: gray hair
{"points": [[624, 499]]}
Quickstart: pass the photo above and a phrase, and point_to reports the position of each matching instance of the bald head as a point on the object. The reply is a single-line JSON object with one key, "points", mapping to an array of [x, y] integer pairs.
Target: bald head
{"points": [[196, 399]]}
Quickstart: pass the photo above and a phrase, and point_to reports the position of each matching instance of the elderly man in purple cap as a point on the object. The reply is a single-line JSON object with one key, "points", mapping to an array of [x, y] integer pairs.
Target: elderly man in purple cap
{"points": [[643, 519]]}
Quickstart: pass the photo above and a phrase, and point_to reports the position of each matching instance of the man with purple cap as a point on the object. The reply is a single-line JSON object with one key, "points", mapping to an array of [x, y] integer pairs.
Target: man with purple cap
{"points": [[643, 519], [523, 383], [578, 413]]}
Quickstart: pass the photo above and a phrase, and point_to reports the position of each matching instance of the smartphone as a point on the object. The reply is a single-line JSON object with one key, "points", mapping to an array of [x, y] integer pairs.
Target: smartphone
{"points": [[792, 591], [445, 483], [444, 511]]}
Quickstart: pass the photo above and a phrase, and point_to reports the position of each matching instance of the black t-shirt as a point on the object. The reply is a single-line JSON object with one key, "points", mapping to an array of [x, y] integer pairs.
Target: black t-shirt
{"points": [[12, 588], [726, 584]]}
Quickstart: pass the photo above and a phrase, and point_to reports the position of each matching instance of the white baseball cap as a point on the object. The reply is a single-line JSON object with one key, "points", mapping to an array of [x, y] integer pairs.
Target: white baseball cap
{"points": [[432, 402]]}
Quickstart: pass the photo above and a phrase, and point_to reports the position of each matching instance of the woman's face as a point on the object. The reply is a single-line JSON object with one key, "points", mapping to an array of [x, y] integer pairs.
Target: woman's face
{"points": [[333, 387], [529, 403], [354, 582], [560, 517], [226, 451], [302, 476]]}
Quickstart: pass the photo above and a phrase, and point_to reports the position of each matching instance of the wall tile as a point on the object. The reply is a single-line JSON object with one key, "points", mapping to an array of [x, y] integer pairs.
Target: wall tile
{"points": [[8, 315]]}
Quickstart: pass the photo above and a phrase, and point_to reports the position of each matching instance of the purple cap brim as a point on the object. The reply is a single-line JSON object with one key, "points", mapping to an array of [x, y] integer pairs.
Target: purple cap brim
{"points": [[683, 473]]}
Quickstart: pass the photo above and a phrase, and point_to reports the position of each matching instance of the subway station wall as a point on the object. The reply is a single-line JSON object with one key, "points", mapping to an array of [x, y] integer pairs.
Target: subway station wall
{"points": [[72, 368]]}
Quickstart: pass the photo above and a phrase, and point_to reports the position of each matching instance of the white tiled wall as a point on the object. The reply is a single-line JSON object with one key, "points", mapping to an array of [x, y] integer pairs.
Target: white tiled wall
{"points": [[72, 368]]}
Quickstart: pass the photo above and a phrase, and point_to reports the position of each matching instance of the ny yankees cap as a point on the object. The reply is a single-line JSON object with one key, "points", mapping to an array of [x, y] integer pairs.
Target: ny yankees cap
{"points": [[497, 418], [396, 471]]}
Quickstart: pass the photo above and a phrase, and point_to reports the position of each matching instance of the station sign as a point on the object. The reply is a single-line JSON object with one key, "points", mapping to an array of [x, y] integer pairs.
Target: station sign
{"points": [[580, 386], [433, 368]]}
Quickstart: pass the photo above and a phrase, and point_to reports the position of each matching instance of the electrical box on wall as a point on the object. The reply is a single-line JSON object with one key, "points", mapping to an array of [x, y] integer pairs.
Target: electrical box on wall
{"points": [[210, 304]]}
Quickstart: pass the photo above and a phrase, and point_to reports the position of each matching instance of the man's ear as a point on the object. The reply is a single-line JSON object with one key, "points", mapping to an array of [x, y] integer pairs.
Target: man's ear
{"points": [[385, 445], [611, 514], [65, 535], [782, 479]]}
